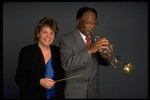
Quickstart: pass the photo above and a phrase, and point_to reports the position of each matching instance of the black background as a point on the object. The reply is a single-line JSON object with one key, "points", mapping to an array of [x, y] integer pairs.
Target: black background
{"points": [[124, 24]]}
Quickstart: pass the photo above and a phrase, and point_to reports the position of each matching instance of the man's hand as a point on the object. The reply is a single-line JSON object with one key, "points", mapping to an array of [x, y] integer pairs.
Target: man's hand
{"points": [[107, 50], [99, 44]]}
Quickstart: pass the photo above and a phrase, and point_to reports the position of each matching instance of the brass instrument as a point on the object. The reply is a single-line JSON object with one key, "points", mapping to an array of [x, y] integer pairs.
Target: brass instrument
{"points": [[128, 67]]}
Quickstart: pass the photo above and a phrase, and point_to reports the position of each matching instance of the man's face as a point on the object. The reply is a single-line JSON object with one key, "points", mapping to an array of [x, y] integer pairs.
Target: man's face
{"points": [[88, 21]]}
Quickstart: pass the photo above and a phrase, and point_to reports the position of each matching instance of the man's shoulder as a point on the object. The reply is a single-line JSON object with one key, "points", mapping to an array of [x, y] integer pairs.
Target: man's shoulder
{"points": [[69, 36]]}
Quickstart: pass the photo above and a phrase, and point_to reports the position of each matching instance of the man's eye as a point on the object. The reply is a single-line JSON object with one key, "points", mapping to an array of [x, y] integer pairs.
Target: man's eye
{"points": [[87, 22]]}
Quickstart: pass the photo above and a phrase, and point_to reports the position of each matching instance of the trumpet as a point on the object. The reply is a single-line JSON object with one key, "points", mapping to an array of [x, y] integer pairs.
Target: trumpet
{"points": [[128, 67]]}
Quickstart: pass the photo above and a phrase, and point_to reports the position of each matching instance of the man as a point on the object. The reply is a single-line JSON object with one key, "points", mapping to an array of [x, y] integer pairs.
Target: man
{"points": [[79, 59]]}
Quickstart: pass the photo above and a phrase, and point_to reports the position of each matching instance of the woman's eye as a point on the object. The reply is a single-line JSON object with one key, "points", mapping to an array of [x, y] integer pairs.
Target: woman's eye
{"points": [[44, 32], [52, 33]]}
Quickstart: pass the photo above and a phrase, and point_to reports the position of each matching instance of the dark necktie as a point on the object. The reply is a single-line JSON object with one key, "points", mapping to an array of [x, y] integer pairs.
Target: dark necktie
{"points": [[88, 42]]}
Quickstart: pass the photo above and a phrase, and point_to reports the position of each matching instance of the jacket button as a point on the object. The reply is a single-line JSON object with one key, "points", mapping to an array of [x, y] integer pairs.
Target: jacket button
{"points": [[85, 62]]}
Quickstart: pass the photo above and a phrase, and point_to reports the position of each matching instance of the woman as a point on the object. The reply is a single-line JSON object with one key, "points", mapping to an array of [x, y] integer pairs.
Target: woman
{"points": [[39, 64]]}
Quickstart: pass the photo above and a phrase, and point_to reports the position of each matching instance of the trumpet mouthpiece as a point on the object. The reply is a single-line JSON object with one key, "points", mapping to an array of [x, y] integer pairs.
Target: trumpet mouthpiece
{"points": [[91, 30]]}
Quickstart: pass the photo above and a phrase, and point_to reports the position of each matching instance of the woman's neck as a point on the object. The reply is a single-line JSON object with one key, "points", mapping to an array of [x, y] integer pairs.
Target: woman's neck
{"points": [[44, 48]]}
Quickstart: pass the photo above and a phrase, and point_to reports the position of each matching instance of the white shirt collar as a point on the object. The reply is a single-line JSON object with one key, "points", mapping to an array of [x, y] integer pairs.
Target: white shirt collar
{"points": [[83, 36]]}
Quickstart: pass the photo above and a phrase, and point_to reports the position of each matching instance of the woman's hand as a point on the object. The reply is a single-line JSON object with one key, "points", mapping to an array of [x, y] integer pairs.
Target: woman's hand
{"points": [[47, 83]]}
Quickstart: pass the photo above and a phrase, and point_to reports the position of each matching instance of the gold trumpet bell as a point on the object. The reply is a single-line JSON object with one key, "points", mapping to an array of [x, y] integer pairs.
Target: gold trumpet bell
{"points": [[128, 68]]}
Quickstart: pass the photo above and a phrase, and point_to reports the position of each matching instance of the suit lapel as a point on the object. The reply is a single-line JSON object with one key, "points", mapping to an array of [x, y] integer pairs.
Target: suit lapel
{"points": [[79, 41], [92, 38], [40, 57], [81, 45], [94, 61]]}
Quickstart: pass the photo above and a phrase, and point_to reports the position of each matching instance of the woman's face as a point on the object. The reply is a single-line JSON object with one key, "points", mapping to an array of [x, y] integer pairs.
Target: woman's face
{"points": [[46, 36]]}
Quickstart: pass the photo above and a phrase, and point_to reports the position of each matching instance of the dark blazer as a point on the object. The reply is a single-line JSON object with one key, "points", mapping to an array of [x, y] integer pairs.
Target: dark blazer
{"points": [[31, 68], [76, 61]]}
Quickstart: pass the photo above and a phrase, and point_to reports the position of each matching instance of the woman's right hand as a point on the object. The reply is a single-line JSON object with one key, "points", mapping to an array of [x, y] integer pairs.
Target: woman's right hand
{"points": [[47, 83]]}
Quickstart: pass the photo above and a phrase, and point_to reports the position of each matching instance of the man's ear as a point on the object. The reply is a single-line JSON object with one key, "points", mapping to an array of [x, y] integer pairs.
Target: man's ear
{"points": [[78, 21]]}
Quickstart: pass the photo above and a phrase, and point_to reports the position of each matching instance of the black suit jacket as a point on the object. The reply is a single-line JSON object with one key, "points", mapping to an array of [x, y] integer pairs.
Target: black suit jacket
{"points": [[31, 68]]}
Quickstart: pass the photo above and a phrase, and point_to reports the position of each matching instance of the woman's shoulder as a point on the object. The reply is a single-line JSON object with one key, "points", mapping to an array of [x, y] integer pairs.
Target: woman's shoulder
{"points": [[54, 47], [30, 48]]}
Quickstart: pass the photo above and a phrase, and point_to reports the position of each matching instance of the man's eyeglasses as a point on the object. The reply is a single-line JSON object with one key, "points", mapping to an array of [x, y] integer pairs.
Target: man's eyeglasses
{"points": [[89, 23]]}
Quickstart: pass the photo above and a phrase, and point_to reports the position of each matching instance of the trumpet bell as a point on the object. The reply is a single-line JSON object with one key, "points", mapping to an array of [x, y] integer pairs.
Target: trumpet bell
{"points": [[128, 68]]}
